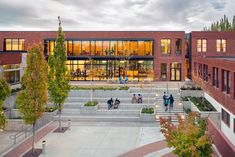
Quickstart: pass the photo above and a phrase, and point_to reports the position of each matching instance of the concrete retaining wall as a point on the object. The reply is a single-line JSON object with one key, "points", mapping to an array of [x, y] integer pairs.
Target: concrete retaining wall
{"points": [[192, 93]]}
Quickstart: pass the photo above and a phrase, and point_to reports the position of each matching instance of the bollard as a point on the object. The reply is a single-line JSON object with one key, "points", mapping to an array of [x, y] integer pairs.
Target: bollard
{"points": [[69, 124], [43, 147]]}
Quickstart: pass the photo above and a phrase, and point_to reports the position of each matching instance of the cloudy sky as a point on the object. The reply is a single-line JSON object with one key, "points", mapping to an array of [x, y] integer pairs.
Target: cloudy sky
{"points": [[113, 14]]}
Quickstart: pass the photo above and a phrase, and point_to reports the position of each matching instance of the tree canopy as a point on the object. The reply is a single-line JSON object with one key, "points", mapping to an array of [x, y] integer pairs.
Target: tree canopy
{"points": [[189, 137], [4, 93], [32, 99], [222, 25]]}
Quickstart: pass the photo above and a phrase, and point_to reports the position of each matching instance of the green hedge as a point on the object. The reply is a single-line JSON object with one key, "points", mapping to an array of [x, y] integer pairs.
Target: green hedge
{"points": [[93, 88], [91, 103], [124, 88], [191, 88], [147, 110], [202, 104]]}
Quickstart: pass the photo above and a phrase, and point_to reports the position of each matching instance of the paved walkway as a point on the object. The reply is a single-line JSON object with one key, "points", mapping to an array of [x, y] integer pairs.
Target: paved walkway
{"points": [[26, 145], [144, 150]]}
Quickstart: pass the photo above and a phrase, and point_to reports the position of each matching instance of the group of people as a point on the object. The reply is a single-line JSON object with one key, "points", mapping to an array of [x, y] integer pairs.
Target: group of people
{"points": [[168, 101], [136, 99], [114, 104]]}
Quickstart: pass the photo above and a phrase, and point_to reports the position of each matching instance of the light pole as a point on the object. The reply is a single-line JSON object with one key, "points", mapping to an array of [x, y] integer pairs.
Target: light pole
{"points": [[91, 78]]}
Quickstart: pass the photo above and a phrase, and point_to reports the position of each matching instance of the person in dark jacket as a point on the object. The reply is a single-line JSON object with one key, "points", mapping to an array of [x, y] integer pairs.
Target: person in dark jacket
{"points": [[171, 99], [110, 103]]}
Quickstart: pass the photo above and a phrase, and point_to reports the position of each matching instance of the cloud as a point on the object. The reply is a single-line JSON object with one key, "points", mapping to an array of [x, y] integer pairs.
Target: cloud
{"points": [[112, 14]]}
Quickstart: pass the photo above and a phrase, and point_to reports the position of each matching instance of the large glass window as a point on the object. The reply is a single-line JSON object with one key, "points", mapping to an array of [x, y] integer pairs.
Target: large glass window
{"points": [[163, 70], [14, 45], [165, 46], [134, 48], [50, 47], [113, 48], [221, 45], [85, 48], [92, 48], [201, 45], [126, 47], [141, 49], [12, 73], [76, 48], [200, 70], [148, 48], [224, 80], [175, 71], [178, 46], [225, 117], [106, 51], [120, 48], [70, 48], [98, 48]]}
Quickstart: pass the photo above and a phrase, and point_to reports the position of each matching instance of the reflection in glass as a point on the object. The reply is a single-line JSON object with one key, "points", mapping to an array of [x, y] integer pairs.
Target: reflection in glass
{"points": [[105, 48], [85, 48], [98, 48], [77, 48]]}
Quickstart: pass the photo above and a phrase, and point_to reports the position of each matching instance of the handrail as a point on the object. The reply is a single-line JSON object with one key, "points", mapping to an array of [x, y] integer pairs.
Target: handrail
{"points": [[20, 133]]}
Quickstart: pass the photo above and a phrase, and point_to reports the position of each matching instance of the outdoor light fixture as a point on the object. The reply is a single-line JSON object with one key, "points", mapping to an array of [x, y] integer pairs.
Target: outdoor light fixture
{"points": [[182, 116], [140, 61], [157, 117], [157, 94], [122, 61], [157, 106], [104, 61], [180, 103]]}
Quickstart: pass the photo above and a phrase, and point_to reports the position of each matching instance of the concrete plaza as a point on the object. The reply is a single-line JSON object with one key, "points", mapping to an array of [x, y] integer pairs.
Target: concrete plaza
{"points": [[102, 139]]}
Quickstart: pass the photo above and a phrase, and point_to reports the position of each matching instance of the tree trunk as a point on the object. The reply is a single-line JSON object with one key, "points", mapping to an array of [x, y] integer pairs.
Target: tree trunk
{"points": [[60, 117], [33, 149]]}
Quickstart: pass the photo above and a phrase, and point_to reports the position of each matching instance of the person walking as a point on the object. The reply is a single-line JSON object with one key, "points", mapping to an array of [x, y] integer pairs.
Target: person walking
{"points": [[171, 99], [165, 101]]}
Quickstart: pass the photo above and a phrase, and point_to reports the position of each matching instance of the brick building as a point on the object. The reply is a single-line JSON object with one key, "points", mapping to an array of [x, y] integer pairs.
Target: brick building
{"points": [[213, 68], [140, 56]]}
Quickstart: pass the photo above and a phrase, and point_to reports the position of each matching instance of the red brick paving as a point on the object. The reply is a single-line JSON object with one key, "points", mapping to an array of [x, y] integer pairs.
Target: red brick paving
{"points": [[26, 145], [146, 149]]}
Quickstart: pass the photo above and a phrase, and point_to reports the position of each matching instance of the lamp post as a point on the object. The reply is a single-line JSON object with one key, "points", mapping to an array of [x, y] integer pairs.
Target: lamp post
{"points": [[91, 78]]}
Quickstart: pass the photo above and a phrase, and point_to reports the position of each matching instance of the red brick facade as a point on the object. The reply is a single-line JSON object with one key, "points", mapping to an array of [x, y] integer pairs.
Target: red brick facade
{"points": [[39, 37], [220, 60], [10, 58]]}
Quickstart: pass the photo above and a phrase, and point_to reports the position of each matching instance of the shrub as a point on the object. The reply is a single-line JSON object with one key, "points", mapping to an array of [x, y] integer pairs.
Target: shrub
{"points": [[191, 88], [185, 98], [15, 90], [124, 88], [91, 103], [202, 104], [187, 110], [147, 110]]}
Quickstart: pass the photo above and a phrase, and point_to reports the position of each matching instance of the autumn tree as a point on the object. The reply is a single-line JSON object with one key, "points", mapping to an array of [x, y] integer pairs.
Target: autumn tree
{"points": [[4, 93], [59, 77], [189, 137], [32, 100]]}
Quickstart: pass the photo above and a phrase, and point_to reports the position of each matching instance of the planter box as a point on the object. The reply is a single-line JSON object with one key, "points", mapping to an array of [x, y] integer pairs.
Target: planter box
{"points": [[213, 115], [145, 117], [88, 109], [192, 93]]}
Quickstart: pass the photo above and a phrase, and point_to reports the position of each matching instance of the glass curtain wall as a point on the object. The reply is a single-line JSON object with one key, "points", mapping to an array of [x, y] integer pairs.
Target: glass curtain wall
{"points": [[138, 70]]}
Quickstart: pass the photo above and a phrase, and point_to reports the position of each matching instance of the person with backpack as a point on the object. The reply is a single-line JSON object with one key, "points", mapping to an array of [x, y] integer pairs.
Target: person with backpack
{"points": [[171, 99]]}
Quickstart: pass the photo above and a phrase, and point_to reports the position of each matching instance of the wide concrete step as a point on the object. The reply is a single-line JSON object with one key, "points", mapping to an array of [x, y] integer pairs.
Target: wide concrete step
{"points": [[66, 111], [104, 100], [127, 106], [99, 118], [117, 112], [73, 105]]}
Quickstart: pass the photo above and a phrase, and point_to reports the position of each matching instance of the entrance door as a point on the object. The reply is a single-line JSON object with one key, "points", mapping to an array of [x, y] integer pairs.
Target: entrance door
{"points": [[175, 70]]}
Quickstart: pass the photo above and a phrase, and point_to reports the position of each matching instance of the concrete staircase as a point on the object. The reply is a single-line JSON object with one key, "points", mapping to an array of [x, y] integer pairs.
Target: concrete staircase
{"points": [[127, 112]]}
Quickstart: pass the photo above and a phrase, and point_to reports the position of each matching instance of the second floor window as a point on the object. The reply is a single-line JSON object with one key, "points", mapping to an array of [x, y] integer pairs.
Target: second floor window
{"points": [[215, 77], [165, 46], [14, 44], [205, 72], [226, 84], [178, 46], [221, 45], [201, 45]]}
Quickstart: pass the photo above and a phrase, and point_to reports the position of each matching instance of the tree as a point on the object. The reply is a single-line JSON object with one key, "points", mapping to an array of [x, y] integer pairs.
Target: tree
{"points": [[4, 93], [189, 137], [32, 100], [58, 75], [222, 25]]}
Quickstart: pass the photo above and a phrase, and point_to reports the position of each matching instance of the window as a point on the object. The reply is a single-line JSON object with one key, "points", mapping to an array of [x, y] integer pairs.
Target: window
{"points": [[148, 48], [164, 70], [215, 77], [12, 73], [14, 44], [226, 84], [50, 47], [165, 46], [200, 70], [226, 117], [205, 72], [133, 48], [113, 47], [178, 46], [195, 69], [76, 47], [234, 125], [201, 45], [85, 48], [175, 71], [220, 45]]}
